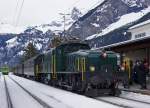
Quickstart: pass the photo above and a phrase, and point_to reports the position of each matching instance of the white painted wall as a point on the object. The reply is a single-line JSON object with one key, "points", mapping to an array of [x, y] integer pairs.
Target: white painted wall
{"points": [[142, 29]]}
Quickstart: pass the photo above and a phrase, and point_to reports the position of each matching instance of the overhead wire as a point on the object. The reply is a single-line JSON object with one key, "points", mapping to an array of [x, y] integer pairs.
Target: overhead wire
{"points": [[17, 17], [15, 12], [19, 14]]}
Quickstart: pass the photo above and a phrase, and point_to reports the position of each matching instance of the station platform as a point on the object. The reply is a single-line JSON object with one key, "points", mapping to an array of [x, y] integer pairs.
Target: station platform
{"points": [[136, 88]]}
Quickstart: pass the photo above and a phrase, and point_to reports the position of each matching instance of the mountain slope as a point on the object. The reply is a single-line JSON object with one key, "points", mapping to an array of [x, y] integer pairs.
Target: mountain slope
{"points": [[109, 12]]}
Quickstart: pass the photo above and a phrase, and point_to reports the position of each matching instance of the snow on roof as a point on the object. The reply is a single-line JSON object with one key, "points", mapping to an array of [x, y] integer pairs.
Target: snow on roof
{"points": [[140, 24], [124, 20]]}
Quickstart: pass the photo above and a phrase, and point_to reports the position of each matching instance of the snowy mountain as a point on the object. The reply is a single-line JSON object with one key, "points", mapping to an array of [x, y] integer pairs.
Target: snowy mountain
{"points": [[123, 20], [103, 18], [12, 49]]}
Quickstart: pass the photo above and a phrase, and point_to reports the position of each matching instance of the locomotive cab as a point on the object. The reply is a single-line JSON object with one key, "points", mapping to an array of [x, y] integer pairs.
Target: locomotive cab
{"points": [[96, 71], [102, 71]]}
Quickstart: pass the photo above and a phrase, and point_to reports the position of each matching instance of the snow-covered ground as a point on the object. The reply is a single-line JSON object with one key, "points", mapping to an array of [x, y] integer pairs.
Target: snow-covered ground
{"points": [[125, 102], [19, 98], [59, 98], [136, 96], [129, 99], [3, 100]]}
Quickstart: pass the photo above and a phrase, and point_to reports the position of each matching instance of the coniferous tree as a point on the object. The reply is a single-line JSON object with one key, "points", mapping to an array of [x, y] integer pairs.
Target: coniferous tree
{"points": [[30, 51], [56, 41]]}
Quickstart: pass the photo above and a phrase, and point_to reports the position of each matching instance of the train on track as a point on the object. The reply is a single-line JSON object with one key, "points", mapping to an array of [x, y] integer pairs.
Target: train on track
{"points": [[74, 66], [4, 70]]}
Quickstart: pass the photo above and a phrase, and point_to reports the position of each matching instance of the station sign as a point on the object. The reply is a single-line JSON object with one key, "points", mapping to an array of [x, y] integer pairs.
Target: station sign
{"points": [[140, 35], [137, 34]]}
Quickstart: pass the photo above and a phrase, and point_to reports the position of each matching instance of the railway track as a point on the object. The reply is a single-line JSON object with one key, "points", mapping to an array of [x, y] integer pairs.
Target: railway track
{"points": [[9, 102], [40, 101], [113, 103], [145, 92], [126, 102]]}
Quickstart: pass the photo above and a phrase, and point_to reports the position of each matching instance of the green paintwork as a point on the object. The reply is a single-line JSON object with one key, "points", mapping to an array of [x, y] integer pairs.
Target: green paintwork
{"points": [[4, 70]]}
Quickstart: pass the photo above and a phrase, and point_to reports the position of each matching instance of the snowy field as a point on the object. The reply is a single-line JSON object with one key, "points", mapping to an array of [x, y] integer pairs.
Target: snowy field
{"points": [[55, 98]]}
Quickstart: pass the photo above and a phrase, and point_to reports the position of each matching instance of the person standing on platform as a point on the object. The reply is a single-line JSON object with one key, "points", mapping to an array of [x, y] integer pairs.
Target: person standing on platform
{"points": [[136, 72], [142, 75], [126, 77]]}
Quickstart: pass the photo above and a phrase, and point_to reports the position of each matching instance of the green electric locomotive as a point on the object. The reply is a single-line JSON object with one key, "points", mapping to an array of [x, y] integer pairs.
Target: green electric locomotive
{"points": [[73, 66]]}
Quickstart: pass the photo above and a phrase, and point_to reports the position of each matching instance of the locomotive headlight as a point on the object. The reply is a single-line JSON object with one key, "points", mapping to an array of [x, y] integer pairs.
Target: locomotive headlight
{"points": [[104, 55], [122, 68], [92, 68]]}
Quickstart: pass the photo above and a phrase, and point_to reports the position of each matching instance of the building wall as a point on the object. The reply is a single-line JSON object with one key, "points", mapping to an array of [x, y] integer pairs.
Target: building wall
{"points": [[142, 31], [136, 55]]}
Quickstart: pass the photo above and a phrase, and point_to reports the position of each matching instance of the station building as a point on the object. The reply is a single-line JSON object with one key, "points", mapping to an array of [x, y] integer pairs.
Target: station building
{"points": [[138, 47]]}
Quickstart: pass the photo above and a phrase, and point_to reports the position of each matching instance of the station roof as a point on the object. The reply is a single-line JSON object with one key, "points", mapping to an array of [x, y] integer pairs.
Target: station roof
{"points": [[140, 24], [124, 43]]}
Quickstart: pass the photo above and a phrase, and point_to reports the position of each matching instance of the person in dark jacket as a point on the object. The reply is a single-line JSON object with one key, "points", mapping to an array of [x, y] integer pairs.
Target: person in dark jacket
{"points": [[142, 75], [135, 72]]}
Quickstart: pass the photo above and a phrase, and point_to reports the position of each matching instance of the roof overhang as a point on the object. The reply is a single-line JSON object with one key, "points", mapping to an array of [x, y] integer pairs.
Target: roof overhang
{"points": [[128, 45]]}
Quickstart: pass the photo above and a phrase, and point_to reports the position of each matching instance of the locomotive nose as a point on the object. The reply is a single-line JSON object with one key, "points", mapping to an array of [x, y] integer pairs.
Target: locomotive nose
{"points": [[99, 79], [96, 80]]}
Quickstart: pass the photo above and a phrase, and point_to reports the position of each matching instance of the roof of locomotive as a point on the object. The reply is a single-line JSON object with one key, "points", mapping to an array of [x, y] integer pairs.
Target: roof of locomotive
{"points": [[69, 43], [68, 46], [87, 52]]}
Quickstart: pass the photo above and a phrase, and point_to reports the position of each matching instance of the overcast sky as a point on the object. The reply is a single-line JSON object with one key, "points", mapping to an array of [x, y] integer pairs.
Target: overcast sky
{"points": [[37, 12]]}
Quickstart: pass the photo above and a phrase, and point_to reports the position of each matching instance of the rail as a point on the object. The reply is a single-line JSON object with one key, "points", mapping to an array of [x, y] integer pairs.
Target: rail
{"points": [[9, 102]]}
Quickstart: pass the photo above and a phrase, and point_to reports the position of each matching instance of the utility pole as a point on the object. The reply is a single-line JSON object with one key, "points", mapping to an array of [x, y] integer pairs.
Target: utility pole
{"points": [[64, 18]]}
